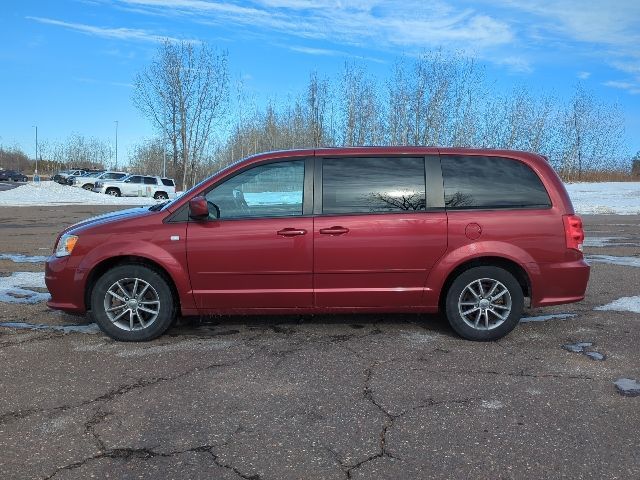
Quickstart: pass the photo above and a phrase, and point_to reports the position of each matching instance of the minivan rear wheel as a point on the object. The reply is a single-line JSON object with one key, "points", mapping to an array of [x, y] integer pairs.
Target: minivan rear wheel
{"points": [[132, 303], [484, 303]]}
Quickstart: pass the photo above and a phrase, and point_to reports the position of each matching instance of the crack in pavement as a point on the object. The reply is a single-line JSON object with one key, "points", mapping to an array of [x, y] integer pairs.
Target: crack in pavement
{"points": [[389, 419], [119, 391], [146, 453], [521, 373]]}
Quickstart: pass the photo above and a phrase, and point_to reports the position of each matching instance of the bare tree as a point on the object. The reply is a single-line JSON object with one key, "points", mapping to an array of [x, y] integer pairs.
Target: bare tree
{"points": [[184, 93]]}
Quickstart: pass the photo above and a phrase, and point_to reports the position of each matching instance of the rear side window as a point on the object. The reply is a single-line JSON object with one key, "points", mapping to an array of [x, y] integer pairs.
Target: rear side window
{"points": [[370, 185], [168, 182], [491, 182]]}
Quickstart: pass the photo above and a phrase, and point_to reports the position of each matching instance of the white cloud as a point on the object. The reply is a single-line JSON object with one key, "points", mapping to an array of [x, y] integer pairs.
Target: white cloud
{"points": [[118, 33], [631, 87], [411, 24], [584, 75], [607, 29]]}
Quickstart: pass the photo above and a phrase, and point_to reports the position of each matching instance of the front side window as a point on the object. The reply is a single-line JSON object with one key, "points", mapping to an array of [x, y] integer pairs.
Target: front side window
{"points": [[149, 181], [370, 185], [134, 179], [491, 182], [272, 190]]}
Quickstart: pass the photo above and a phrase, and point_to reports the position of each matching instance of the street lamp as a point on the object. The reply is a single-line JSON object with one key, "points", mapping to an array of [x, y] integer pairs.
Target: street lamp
{"points": [[116, 167], [35, 173]]}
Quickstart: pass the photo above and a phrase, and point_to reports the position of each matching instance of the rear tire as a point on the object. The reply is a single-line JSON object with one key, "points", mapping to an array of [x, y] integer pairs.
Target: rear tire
{"points": [[161, 196], [133, 303], [88, 186], [114, 192], [484, 303]]}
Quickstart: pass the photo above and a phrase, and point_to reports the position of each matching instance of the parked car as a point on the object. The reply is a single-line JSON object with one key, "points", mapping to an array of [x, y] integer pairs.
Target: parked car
{"points": [[62, 176], [138, 186], [86, 173], [88, 180], [11, 175], [475, 234]]}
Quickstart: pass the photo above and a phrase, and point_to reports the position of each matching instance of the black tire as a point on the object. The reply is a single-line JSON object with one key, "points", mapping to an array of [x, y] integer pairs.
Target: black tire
{"points": [[161, 196], [483, 276], [158, 289], [87, 186], [113, 191]]}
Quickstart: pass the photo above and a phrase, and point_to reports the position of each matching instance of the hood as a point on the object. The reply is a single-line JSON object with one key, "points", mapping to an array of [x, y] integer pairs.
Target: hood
{"points": [[110, 217]]}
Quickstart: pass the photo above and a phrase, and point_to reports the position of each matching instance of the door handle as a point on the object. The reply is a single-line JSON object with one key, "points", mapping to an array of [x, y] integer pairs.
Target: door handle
{"points": [[334, 231], [292, 232]]}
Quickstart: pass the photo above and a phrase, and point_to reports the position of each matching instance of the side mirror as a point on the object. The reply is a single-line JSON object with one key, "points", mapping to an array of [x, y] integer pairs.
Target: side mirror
{"points": [[198, 208]]}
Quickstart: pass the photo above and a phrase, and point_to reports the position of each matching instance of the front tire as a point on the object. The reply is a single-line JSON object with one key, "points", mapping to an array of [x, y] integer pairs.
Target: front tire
{"points": [[114, 192], [133, 303], [484, 303]]}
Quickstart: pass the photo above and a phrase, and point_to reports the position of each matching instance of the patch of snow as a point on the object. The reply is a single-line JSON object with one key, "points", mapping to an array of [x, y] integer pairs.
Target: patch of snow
{"points": [[607, 242], [624, 304], [544, 318], [577, 347], [621, 198], [52, 193], [628, 387], [16, 288], [492, 404], [613, 260], [87, 328], [20, 258]]}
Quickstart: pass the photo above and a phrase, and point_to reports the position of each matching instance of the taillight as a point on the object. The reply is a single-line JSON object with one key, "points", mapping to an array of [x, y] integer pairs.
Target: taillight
{"points": [[573, 232]]}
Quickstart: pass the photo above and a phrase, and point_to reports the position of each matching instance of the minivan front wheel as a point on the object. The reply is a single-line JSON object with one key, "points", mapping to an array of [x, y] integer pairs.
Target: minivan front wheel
{"points": [[484, 303], [132, 303]]}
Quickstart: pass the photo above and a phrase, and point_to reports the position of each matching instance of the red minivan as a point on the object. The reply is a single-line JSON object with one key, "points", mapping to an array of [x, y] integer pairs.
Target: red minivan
{"points": [[475, 234]]}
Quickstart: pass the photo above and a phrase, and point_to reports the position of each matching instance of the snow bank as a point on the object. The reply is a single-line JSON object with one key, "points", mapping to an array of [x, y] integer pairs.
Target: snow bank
{"points": [[52, 193], [588, 198], [621, 198], [624, 304]]}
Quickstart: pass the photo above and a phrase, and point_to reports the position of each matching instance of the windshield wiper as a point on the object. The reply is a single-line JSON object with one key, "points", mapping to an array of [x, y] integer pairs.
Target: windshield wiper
{"points": [[158, 206]]}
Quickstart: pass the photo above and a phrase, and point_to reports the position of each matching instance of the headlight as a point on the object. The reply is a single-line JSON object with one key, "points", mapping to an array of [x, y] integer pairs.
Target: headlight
{"points": [[66, 244]]}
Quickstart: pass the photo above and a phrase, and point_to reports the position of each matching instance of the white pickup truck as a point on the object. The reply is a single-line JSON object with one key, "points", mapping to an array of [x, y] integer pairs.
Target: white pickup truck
{"points": [[87, 181], [138, 186]]}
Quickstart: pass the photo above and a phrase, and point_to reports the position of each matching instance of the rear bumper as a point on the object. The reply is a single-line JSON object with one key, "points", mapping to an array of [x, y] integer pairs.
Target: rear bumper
{"points": [[558, 283], [67, 294]]}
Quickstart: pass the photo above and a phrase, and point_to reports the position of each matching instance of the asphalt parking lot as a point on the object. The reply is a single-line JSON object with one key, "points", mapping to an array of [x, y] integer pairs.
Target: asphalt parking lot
{"points": [[4, 186], [380, 396]]}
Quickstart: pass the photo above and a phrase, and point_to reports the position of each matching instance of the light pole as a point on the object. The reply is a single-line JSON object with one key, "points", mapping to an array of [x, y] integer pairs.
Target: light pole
{"points": [[35, 173], [116, 167], [164, 159]]}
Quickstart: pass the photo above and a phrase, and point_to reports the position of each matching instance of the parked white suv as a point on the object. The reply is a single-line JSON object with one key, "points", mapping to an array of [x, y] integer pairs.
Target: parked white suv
{"points": [[87, 181], [138, 186]]}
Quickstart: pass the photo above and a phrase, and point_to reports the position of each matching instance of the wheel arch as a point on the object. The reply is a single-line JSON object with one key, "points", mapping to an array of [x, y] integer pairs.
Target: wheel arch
{"points": [[507, 264], [101, 268]]}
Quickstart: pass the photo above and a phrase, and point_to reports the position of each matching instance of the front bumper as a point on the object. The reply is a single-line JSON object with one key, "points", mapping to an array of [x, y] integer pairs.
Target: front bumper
{"points": [[67, 293], [559, 283]]}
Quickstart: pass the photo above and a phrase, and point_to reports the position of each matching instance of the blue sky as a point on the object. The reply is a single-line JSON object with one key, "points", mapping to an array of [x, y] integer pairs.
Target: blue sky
{"points": [[68, 65]]}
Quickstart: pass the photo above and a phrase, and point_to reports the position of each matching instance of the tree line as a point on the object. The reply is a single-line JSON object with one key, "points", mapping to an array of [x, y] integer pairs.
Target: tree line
{"points": [[204, 122], [438, 98]]}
